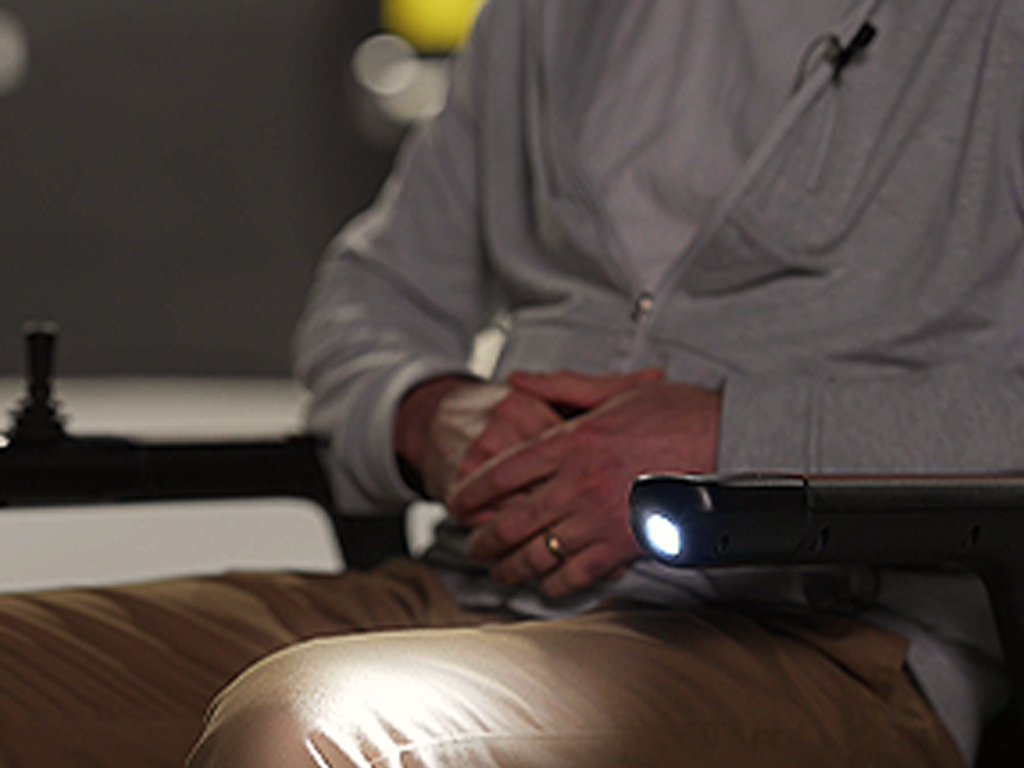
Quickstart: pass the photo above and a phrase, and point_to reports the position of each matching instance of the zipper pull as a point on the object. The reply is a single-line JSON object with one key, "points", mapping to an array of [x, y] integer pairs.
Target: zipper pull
{"points": [[840, 56], [643, 305]]}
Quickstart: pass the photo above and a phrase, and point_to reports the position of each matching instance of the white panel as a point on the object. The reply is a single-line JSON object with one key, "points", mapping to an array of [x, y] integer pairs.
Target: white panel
{"points": [[51, 547]]}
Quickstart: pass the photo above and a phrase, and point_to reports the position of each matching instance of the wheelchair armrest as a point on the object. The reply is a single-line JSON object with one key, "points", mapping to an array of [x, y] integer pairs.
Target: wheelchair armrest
{"points": [[41, 463], [972, 522], [65, 470]]}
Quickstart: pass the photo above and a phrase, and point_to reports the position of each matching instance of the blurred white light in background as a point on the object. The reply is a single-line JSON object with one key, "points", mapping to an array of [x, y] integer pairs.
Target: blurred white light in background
{"points": [[404, 87], [13, 53], [385, 64]]}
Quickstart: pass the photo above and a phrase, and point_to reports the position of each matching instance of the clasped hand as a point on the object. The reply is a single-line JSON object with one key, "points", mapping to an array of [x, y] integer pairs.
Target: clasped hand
{"points": [[508, 461]]}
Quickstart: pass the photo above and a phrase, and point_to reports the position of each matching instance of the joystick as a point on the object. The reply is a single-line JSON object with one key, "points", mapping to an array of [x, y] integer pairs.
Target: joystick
{"points": [[38, 420]]}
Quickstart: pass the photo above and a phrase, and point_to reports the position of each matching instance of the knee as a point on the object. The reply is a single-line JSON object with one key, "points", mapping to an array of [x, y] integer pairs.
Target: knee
{"points": [[329, 703], [271, 715], [403, 698]]}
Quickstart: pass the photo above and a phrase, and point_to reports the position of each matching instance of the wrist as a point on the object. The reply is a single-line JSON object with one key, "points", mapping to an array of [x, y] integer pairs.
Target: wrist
{"points": [[416, 412]]}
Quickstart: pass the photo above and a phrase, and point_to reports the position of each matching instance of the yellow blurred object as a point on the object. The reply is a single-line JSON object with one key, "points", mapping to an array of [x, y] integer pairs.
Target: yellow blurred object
{"points": [[432, 26]]}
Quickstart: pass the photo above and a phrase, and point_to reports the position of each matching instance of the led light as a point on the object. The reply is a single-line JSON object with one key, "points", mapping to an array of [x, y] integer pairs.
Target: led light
{"points": [[663, 535]]}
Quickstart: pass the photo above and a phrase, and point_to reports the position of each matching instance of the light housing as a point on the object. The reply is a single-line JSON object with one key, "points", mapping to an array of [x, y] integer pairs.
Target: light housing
{"points": [[701, 519]]}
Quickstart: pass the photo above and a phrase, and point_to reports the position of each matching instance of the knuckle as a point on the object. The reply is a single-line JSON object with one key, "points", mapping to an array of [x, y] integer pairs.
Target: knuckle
{"points": [[536, 519], [488, 443], [506, 529], [575, 579], [505, 407], [587, 570], [538, 559], [514, 571]]}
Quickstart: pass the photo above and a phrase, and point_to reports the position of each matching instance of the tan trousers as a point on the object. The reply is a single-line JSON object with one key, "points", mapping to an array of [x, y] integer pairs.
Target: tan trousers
{"points": [[121, 677]]}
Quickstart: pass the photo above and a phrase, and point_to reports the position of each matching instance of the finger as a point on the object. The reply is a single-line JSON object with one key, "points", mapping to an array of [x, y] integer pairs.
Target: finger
{"points": [[548, 548], [514, 470], [533, 559], [511, 525], [598, 547], [477, 518], [531, 415], [565, 562], [516, 419], [580, 390], [525, 520], [497, 438], [585, 568]]}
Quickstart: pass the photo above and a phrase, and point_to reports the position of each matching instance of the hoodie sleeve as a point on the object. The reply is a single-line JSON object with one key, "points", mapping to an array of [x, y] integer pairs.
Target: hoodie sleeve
{"points": [[398, 297]]}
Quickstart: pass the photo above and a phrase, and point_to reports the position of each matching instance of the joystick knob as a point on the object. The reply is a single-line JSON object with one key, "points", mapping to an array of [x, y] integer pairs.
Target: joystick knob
{"points": [[38, 419]]}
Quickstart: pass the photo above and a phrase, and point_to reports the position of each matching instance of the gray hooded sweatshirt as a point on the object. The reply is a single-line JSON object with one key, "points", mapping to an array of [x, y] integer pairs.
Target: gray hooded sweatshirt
{"points": [[854, 291]]}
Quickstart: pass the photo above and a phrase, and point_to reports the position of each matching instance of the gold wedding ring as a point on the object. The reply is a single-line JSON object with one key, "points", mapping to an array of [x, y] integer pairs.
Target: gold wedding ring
{"points": [[554, 545]]}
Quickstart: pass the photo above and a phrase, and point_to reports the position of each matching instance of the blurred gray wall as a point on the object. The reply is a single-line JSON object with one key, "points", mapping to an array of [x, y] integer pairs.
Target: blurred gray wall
{"points": [[170, 171]]}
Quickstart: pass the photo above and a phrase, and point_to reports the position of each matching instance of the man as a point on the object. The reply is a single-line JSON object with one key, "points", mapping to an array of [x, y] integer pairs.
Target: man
{"points": [[729, 236], [719, 236]]}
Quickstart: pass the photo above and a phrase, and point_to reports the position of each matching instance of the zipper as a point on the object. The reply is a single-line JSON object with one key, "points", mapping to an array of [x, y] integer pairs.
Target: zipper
{"points": [[814, 84]]}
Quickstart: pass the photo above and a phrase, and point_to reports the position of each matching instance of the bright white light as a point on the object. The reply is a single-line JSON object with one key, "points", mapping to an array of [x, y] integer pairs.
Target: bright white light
{"points": [[663, 535]]}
